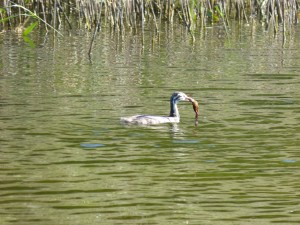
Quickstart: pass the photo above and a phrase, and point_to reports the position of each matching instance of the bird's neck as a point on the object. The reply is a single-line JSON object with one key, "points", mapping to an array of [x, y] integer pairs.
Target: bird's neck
{"points": [[173, 109]]}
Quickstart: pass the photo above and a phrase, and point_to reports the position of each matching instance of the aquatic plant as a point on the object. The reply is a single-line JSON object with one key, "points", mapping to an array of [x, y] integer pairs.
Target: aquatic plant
{"points": [[120, 15], [16, 18]]}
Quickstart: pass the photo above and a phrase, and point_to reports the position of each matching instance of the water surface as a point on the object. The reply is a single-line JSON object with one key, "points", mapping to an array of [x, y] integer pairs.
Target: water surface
{"points": [[66, 159]]}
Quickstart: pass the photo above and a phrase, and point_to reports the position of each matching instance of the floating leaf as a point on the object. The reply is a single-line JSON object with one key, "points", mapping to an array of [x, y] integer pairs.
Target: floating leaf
{"points": [[91, 145], [185, 141], [289, 160]]}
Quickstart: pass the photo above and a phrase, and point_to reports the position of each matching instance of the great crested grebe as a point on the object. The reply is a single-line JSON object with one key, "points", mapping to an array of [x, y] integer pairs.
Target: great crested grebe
{"points": [[173, 117]]}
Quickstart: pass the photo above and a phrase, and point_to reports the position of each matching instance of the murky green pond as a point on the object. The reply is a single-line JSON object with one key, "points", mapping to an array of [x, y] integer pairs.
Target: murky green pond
{"points": [[66, 159]]}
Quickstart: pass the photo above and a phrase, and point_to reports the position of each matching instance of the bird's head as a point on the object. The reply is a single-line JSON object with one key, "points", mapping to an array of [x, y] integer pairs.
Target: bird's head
{"points": [[179, 96]]}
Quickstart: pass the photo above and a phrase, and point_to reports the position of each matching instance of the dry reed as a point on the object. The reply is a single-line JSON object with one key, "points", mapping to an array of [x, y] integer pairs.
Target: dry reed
{"points": [[135, 14]]}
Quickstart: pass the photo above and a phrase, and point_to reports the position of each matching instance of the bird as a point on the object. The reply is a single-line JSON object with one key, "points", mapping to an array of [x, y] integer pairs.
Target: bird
{"points": [[173, 117]]}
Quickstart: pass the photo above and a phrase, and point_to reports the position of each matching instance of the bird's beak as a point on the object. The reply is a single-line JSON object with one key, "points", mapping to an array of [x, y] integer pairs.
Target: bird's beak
{"points": [[188, 99]]}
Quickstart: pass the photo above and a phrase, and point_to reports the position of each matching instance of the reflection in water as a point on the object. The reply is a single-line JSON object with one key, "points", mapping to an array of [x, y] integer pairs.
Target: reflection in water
{"points": [[172, 127], [66, 159]]}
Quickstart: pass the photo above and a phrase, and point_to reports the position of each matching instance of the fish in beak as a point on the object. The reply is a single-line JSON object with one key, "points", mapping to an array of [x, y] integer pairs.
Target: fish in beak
{"points": [[195, 107]]}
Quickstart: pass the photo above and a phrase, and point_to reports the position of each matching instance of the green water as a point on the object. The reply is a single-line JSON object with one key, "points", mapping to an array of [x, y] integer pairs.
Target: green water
{"points": [[66, 159]]}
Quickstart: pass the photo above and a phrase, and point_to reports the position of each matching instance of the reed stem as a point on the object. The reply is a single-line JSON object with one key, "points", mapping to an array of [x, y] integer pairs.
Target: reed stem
{"points": [[136, 14]]}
